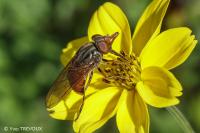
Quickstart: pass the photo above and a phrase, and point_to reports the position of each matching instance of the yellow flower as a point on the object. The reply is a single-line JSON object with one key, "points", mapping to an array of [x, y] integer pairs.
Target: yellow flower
{"points": [[125, 87]]}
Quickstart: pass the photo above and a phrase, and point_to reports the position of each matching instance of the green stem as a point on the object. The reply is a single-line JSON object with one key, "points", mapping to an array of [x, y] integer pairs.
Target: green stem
{"points": [[180, 118]]}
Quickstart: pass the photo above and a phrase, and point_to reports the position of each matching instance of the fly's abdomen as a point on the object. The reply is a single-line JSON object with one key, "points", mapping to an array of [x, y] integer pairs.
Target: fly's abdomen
{"points": [[77, 80], [86, 59]]}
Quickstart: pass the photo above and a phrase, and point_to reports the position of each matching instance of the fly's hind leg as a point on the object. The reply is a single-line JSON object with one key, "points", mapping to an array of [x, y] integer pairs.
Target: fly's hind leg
{"points": [[83, 99]]}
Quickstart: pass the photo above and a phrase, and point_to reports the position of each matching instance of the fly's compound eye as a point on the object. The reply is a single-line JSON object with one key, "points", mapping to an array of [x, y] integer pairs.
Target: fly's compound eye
{"points": [[103, 47]]}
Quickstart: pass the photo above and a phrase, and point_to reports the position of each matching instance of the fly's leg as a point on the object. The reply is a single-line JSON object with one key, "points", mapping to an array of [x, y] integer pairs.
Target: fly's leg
{"points": [[83, 99], [105, 60], [117, 54]]}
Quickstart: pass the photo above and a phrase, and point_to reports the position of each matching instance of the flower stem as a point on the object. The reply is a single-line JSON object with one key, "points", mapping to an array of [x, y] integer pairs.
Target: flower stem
{"points": [[180, 118]]}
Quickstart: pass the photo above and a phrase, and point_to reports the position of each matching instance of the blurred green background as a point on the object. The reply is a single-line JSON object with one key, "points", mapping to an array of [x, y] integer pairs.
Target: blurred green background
{"points": [[32, 34]]}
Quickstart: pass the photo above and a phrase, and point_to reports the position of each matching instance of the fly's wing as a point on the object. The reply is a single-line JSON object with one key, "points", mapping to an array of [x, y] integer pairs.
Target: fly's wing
{"points": [[74, 74], [59, 89], [63, 85]]}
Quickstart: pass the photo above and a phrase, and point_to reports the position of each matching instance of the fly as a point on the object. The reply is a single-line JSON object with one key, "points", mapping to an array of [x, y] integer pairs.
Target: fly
{"points": [[81, 67]]}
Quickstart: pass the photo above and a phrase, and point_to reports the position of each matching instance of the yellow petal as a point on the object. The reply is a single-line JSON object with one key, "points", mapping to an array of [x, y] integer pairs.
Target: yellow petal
{"points": [[149, 24], [97, 81], [169, 49], [71, 48], [132, 115], [97, 109], [69, 105], [158, 87], [109, 18]]}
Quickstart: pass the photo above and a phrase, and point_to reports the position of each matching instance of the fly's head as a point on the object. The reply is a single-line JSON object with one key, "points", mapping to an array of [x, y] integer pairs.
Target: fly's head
{"points": [[104, 43]]}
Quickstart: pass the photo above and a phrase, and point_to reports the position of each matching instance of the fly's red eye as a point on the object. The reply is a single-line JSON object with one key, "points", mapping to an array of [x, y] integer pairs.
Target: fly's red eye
{"points": [[104, 43], [103, 47]]}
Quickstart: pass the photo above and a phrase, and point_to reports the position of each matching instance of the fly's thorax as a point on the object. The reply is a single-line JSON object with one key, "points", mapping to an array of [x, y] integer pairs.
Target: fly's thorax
{"points": [[88, 54], [123, 72]]}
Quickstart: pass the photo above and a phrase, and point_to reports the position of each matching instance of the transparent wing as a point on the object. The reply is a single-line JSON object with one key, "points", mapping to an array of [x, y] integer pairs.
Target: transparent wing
{"points": [[62, 87]]}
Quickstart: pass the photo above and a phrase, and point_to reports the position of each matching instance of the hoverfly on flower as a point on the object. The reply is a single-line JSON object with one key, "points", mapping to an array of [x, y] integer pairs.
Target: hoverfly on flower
{"points": [[81, 67]]}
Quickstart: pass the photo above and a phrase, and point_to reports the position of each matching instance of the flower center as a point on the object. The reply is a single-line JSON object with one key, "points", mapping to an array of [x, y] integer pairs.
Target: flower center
{"points": [[123, 72]]}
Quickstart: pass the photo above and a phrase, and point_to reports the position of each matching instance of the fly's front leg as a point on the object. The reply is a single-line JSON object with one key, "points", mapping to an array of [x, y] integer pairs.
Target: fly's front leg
{"points": [[105, 60], [117, 54], [83, 99]]}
